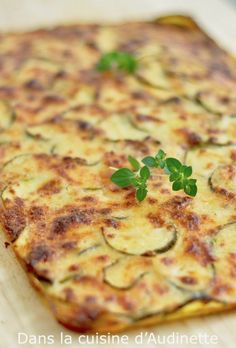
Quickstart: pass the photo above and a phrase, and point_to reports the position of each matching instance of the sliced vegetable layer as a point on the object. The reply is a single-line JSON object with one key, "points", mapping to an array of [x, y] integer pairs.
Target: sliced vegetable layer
{"points": [[139, 237], [223, 180]]}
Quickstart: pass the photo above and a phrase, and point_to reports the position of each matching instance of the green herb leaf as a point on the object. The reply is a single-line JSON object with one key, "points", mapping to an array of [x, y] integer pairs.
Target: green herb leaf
{"points": [[177, 185], [144, 173], [149, 161], [187, 171], [161, 154], [134, 163], [179, 174], [117, 60], [190, 190], [123, 177], [141, 194], [174, 176], [173, 165], [192, 181]]}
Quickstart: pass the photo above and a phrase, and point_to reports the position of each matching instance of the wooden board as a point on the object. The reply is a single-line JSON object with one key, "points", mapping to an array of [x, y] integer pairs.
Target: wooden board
{"points": [[21, 309]]}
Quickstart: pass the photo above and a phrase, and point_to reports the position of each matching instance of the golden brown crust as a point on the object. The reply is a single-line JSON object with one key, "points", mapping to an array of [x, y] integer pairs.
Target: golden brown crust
{"points": [[103, 261]]}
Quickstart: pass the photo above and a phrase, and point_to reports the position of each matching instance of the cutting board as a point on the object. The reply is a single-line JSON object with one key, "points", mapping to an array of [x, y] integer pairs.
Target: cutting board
{"points": [[21, 308]]}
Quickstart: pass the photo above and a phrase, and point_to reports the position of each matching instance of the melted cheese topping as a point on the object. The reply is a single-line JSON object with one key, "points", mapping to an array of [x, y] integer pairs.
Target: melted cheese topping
{"points": [[103, 260]]}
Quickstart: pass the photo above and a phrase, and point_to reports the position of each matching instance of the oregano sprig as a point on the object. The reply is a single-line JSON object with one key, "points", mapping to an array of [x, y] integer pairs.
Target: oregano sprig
{"points": [[117, 60], [179, 174]]}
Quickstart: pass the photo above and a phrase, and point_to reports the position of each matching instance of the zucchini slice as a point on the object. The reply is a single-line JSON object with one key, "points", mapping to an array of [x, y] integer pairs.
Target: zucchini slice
{"points": [[44, 69], [126, 272], [223, 180], [86, 115], [224, 252], [120, 127], [68, 139], [151, 73], [217, 101], [205, 159], [7, 115], [140, 238], [226, 129]]}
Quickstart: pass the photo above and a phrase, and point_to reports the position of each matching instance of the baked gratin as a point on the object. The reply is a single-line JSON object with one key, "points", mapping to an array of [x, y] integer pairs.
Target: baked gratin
{"points": [[102, 260]]}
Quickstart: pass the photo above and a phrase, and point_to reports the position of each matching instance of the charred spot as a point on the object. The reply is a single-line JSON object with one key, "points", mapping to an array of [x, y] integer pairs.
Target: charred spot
{"points": [[192, 221], [219, 287], [155, 219], [233, 155], [90, 299], [105, 211], [141, 146], [43, 278], [69, 294], [52, 99], [160, 289], [56, 118], [89, 199], [92, 44], [33, 84], [69, 245], [84, 125], [69, 162], [133, 44], [126, 302], [149, 253], [140, 95], [144, 118], [60, 74], [103, 258], [7, 244], [85, 317], [36, 213], [7, 91], [188, 280], [14, 219], [51, 187], [179, 202], [112, 223], [192, 138], [39, 253], [130, 199], [152, 200], [61, 224], [112, 159], [73, 268], [167, 260], [199, 250], [173, 100]]}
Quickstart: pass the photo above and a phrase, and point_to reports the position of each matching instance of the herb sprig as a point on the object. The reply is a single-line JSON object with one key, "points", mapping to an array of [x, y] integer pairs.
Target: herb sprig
{"points": [[179, 174], [117, 60]]}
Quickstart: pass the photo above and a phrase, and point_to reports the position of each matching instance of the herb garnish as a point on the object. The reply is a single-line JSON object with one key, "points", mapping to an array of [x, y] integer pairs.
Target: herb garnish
{"points": [[179, 174], [117, 60]]}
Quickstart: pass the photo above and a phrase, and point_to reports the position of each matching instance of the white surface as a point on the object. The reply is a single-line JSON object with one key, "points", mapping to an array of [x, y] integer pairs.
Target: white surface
{"points": [[217, 16], [17, 299]]}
